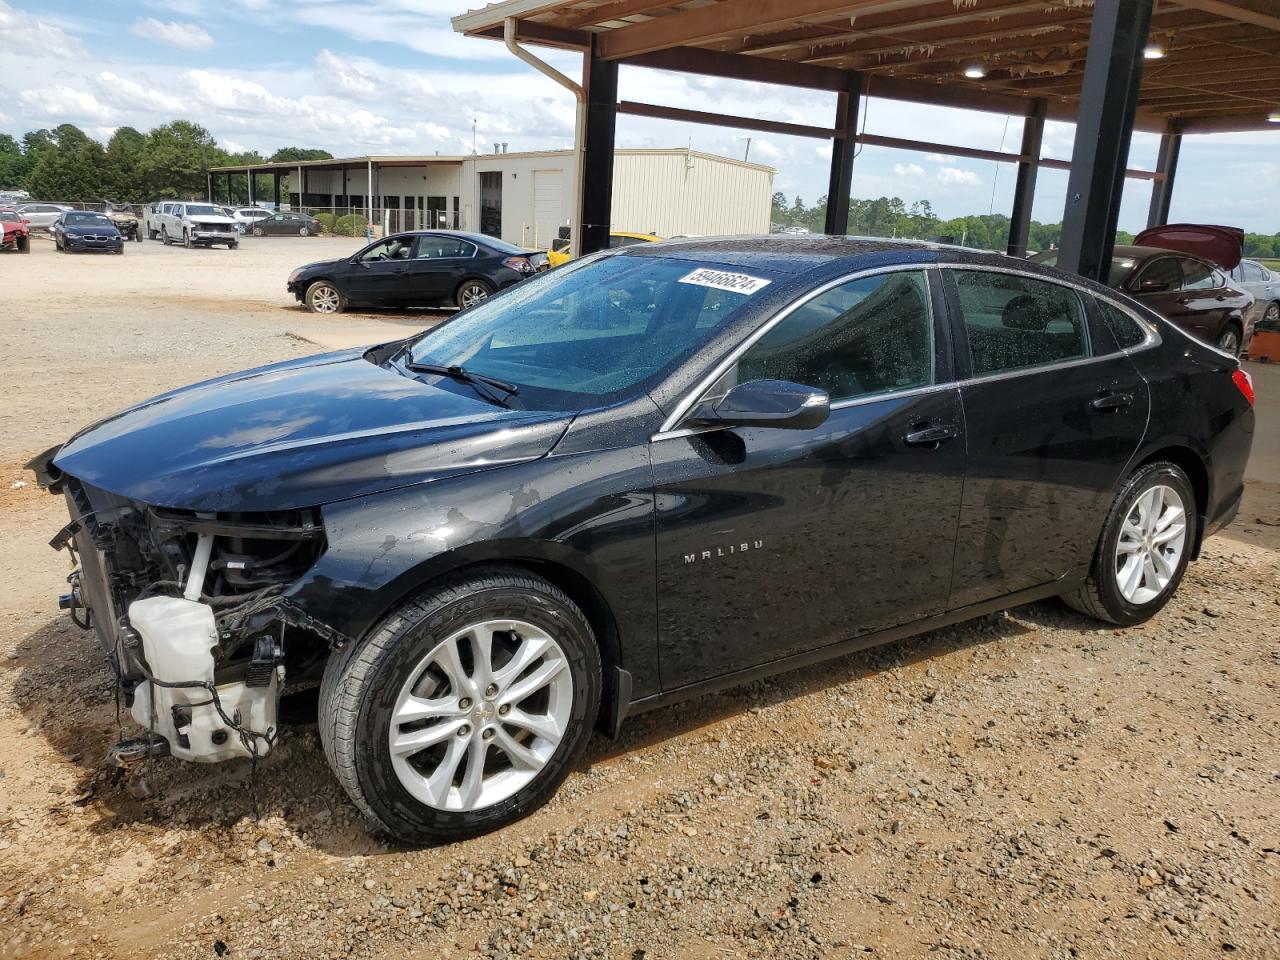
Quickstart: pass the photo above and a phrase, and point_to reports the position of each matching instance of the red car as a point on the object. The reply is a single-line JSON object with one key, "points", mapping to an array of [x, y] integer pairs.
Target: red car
{"points": [[1181, 271], [16, 232]]}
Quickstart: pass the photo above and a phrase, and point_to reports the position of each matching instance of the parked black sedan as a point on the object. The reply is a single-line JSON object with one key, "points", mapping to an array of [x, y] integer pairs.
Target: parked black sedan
{"points": [[647, 474], [80, 230], [287, 224], [418, 269]]}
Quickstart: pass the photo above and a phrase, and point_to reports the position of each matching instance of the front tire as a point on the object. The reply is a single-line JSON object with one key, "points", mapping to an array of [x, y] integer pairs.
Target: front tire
{"points": [[465, 709], [1144, 549], [259, 232], [186, 239], [164, 236], [304, 232], [323, 297]]}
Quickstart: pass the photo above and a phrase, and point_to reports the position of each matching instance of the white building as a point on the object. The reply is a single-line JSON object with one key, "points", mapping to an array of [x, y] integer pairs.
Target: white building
{"points": [[523, 198]]}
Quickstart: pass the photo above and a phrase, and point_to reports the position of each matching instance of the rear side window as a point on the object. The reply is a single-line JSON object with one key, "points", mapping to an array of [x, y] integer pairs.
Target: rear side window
{"points": [[1015, 322], [439, 248], [1197, 276], [1127, 331], [861, 338], [1162, 271]]}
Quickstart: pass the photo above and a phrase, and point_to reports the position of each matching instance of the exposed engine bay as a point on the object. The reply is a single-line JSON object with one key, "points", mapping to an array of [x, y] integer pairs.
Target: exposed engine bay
{"points": [[190, 611]]}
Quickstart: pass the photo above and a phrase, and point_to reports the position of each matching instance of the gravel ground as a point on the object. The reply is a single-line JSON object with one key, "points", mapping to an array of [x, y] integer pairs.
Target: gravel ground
{"points": [[1023, 785]]}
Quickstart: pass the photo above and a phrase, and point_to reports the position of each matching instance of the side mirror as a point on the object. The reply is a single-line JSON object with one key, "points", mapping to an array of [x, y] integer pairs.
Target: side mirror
{"points": [[765, 403], [1153, 286]]}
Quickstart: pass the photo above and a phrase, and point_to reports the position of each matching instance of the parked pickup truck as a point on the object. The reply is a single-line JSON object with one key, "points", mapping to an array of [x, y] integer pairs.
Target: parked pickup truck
{"points": [[191, 224]]}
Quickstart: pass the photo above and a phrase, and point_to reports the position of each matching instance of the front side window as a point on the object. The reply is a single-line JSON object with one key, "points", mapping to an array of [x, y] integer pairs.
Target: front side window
{"points": [[1197, 276], [439, 248], [393, 248], [1161, 274], [864, 337], [586, 334], [1015, 322]]}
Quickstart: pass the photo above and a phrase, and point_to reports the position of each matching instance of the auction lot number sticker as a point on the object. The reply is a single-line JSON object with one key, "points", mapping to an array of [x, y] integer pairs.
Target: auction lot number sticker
{"points": [[723, 280]]}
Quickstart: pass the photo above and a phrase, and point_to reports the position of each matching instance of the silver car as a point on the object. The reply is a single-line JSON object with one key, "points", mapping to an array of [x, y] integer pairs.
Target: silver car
{"points": [[1265, 287], [42, 216]]}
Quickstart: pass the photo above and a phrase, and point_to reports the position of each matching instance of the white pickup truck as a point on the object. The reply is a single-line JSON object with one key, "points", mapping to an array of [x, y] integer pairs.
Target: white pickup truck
{"points": [[191, 224]]}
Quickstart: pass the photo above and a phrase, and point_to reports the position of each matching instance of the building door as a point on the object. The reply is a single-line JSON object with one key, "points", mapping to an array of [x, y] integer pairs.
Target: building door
{"points": [[491, 203], [437, 214], [547, 205]]}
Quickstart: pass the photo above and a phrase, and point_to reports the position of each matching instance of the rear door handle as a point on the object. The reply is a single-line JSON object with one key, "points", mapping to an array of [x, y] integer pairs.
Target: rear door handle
{"points": [[930, 436], [1112, 401]]}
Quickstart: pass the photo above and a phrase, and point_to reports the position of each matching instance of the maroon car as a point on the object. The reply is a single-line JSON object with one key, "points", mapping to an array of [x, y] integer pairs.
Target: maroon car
{"points": [[15, 234], [1181, 272]]}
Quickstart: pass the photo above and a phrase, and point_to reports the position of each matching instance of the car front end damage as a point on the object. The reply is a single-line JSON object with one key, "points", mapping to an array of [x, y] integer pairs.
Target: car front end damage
{"points": [[192, 613]]}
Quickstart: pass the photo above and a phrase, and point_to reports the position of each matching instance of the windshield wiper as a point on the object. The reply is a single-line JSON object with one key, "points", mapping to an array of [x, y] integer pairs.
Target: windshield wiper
{"points": [[464, 375]]}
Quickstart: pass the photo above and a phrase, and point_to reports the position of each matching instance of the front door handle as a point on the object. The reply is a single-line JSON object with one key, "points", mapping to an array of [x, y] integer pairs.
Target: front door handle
{"points": [[930, 436], [1112, 401]]}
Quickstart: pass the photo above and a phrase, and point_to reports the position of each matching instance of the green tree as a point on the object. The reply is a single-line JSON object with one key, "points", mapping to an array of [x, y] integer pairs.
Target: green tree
{"points": [[287, 154], [74, 173], [122, 177], [176, 160]]}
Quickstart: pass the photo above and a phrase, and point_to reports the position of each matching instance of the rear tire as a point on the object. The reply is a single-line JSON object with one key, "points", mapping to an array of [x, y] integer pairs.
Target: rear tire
{"points": [[1229, 340], [259, 232], [548, 692], [1152, 523], [304, 232], [471, 292]]}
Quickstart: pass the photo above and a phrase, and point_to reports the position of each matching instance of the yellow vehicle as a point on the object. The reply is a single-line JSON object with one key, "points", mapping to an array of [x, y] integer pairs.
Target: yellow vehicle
{"points": [[617, 238]]}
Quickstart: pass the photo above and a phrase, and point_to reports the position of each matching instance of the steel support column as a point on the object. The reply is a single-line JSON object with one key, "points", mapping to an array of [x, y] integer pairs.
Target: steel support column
{"points": [[1104, 129], [209, 186], [844, 147], [275, 187], [253, 193], [1162, 190], [595, 205], [1024, 192]]}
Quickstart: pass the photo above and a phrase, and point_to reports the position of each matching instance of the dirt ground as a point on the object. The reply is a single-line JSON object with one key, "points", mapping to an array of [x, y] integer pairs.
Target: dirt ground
{"points": [[1025, 785]]}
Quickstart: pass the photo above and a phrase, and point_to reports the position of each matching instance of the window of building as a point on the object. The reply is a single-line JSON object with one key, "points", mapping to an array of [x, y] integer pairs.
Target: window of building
{"points": [[491, 203]]}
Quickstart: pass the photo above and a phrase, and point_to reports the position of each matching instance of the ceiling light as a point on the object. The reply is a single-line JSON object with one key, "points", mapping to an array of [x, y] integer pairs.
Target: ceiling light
{"points": [[1153, 51], [975, 71], [1274, 118]]}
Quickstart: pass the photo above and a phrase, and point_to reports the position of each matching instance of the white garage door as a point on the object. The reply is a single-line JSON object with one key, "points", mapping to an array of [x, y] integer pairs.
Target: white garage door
{"points": [[547, 187]]}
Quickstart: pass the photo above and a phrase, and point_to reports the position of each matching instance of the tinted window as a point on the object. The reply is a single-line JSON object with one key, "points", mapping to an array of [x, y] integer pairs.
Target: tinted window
{"points": [[1016, 322], [864, 337], [1165, 270], [577, 335], [1197, 276], [432, 248], [1127, 331]]}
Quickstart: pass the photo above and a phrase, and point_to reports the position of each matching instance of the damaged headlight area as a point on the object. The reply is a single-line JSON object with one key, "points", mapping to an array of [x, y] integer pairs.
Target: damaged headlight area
{"points": [[191, 609]]}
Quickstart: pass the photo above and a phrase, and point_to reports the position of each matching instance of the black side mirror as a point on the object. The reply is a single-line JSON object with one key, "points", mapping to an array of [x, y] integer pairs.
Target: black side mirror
{"points": [[765, 403], [1153, 286]]}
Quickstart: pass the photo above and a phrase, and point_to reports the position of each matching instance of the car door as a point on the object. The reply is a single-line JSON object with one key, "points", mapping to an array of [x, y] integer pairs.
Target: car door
{"points": [[1203, 301], [379, 274], [1051, 423], [1158, 286], [772, 542], [437, 267]]}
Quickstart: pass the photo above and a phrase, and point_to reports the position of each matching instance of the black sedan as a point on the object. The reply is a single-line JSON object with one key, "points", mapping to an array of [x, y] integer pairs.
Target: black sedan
{"points": [[419, 269], [648, 474], [80, 230], [287, 225]]}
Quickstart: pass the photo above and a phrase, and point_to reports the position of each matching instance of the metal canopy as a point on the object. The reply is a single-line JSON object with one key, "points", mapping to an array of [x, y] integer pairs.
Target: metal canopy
{"points": [[1220, 68]]}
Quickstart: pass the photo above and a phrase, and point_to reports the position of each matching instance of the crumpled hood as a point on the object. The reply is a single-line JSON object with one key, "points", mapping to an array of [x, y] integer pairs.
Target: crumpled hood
{"points": [[298, 434]]}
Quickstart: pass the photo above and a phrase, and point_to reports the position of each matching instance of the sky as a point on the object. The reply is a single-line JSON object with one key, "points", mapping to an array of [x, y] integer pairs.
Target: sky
{"points": [[390, 76]]}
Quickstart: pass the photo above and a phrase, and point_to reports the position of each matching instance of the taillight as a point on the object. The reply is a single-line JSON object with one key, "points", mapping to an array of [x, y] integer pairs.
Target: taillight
{"points": [[1244, 383], [518, 264]]}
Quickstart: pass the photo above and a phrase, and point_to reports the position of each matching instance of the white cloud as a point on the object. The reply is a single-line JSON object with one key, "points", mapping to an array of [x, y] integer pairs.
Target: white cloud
{"points": [[764, 150], [910, 170], [21, 31], [346, 77], [129, 94], [954, 176], [184, 36], [62, 104]]}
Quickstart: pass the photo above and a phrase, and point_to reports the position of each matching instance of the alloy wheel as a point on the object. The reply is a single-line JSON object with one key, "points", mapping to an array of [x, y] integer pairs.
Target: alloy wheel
{"points": [[1150, 545], [1272, 315], [325, 299], [473, 293], [1229, 342], [480, 715]]}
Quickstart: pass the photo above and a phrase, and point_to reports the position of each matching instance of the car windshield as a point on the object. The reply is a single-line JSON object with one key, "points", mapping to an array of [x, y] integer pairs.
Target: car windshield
{"points": [[586, 334], [202, 210], [9, 215], [1121, 267], [87, 219]]}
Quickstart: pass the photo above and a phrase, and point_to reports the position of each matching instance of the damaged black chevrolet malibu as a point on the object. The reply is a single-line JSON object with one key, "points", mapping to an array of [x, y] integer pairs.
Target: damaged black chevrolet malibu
{"points": [[645, 475]]}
